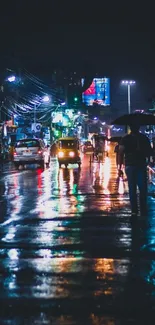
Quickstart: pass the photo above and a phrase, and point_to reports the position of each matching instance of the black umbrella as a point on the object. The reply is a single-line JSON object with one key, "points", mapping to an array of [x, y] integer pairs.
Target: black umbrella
{"points": [[136, 118], [115, 139]]}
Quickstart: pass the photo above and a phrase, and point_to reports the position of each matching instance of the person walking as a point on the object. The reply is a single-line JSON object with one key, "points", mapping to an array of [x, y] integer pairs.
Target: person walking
{"points": [[137, 151], [119, 161]]}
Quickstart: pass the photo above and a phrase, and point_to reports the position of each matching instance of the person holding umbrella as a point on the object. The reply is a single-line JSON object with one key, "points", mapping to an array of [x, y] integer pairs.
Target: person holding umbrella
{"points": [[136, 149]]}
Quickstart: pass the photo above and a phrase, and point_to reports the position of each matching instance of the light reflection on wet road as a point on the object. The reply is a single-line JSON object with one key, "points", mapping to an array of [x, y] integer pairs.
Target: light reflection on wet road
{"points": [[69, 253]]}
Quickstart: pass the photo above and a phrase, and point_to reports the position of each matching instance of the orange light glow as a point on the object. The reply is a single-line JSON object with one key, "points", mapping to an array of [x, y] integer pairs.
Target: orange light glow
{"points": [[121, 186], [106, 171], [61, 154]]}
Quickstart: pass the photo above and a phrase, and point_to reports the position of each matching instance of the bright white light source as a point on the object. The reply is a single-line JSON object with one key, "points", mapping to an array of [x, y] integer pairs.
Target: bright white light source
{"points": [[128, 82], [13, 254], [46, 99], [71, 154], [12, 79]]}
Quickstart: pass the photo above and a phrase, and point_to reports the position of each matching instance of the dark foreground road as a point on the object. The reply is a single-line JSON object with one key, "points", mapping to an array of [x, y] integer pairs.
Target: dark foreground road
{"points": [[69, 253]]}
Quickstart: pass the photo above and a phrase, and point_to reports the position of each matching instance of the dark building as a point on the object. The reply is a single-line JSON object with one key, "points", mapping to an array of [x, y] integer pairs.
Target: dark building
{"points": [[71, 84]]}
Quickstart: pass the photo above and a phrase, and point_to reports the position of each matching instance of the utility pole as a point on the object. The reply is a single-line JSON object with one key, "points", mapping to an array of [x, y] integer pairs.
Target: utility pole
{"points": [[34, 114], [129, 99], [129, 83]]}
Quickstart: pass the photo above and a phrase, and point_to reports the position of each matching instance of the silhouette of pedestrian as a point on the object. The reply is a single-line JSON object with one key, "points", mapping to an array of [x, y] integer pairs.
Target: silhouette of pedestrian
{"points": [[137, 150]]}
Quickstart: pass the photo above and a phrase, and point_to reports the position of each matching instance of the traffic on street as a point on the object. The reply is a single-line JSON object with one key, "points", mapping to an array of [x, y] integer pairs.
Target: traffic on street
{"points": [[77, 166], [69, 252]]}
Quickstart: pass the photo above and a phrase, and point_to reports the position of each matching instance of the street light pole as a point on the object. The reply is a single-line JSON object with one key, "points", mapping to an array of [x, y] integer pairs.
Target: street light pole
{"points": [[129, 100], [34, 114], [129, 83]]}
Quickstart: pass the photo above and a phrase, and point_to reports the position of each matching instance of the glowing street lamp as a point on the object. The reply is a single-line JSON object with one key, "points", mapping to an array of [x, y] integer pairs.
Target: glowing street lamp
{"points": [[11, 78], [45, 99], [129, 83], [59, 105]]}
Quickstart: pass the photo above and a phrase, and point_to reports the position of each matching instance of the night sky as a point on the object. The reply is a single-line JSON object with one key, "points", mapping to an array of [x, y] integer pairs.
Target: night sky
{"points": [[40, 37]]}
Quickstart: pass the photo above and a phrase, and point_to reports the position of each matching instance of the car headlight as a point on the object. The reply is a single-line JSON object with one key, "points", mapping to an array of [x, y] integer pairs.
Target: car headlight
{"points": [[71, 154], [60, 154]]}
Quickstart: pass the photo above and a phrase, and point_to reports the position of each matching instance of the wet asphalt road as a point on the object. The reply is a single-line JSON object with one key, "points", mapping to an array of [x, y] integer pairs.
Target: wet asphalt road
{"points": [[69, 253]]}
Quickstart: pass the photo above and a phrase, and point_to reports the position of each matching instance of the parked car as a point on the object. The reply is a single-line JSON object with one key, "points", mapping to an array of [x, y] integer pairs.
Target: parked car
{"points": [[29, 151]]}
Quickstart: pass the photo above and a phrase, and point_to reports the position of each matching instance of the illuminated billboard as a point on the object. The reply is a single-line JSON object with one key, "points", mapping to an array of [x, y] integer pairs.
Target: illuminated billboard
{"points": [[98, 92]]}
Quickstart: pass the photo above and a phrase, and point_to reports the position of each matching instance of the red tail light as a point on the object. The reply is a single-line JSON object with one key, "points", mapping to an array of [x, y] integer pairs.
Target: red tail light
{"points": [[40, 151], [15, 153]]}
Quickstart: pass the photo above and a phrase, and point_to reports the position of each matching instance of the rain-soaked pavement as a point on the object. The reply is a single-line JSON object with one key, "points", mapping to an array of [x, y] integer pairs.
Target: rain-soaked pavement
{"points": [[69, 253]]}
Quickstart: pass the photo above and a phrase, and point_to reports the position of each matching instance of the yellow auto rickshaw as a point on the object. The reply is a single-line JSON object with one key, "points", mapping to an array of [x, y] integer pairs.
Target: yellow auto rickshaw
{"points": [[68, 151]]}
